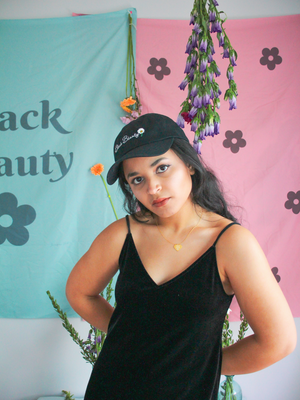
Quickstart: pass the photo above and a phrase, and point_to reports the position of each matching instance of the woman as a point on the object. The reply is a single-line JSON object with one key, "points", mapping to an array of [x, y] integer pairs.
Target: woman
{"points": [[181, 258]]}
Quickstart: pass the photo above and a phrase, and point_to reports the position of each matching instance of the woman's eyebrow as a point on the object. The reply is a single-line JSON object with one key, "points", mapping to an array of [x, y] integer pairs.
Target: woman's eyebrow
{"points": [[131, 174]]}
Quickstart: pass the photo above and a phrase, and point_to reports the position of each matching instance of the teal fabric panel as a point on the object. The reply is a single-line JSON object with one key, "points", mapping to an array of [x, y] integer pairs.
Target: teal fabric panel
{"points": [[62, 81]]}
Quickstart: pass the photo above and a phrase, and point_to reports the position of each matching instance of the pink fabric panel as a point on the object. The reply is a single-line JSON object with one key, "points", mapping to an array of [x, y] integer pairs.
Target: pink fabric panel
{"points": [[258, 176]]}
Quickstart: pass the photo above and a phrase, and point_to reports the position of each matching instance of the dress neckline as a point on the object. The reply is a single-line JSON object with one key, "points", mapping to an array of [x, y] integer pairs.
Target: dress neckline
{"points": [[178, 276]]}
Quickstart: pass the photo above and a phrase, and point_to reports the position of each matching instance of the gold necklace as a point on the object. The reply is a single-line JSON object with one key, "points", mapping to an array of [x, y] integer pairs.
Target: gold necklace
{"points": [[178, 246]]}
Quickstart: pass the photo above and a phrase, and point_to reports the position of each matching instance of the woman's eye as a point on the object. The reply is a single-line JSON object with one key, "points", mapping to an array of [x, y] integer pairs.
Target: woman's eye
{"points": [[136, 181], [162, 168]]}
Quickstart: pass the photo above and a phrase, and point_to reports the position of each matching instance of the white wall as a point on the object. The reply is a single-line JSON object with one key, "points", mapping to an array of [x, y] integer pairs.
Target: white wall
{"points": [[37, 357]]}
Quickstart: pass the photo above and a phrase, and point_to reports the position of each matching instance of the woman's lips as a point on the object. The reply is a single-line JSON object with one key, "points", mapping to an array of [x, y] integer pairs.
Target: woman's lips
{"points": [[160, 202]]}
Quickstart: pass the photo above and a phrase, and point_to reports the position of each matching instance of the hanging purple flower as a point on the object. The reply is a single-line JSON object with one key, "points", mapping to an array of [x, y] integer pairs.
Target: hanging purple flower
{"points": [[210, 76], [226, 53], [215, 3], [203, 45], [212, 95], [216, 128], [221, 40], [232, 103], [99, 339], [230, 73], [194, 40], [232, 60], [193, 60], [203, 65], [212, 16], [189, 47], [197, 102], [193, 112], [192, 20], [216, 27], [217, 103], [183, 84], [180, 121], [194, 91], [205, 100], [202, 116], [197, 146], [212, 49], [210, 58], [187, 68], [202, 133], [191, 75], [197, 29], [194, 126]]}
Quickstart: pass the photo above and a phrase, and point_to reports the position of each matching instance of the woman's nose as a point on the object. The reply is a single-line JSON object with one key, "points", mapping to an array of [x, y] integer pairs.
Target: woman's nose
{"points": [[153, 186]]}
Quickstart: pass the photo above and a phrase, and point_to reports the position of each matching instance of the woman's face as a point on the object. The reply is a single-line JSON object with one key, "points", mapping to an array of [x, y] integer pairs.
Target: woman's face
{"points": [[162, 183]]}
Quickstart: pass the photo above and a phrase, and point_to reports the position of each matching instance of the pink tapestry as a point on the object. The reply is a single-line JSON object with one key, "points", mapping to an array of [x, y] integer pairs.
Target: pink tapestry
{"points": [[256, 154]]}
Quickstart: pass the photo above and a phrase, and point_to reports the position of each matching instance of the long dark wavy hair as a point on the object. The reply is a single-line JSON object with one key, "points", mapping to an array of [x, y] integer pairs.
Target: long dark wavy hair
{"points": [[206, 192]]}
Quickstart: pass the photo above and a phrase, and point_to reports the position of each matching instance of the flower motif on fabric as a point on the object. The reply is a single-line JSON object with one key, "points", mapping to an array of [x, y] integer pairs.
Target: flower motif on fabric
{"points": [[293, 202], [234, 141], [275, 273], [270, 58], [158, 68], [13, 220]]}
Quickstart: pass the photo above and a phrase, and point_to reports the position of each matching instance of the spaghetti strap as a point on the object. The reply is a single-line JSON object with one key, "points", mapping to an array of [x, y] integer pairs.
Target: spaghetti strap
{"points": [[128, 223], [223, 230]]}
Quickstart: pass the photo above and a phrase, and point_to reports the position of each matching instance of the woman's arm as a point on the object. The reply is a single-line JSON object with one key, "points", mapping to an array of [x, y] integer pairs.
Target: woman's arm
{"points": [[92, 274], [262, 302]]}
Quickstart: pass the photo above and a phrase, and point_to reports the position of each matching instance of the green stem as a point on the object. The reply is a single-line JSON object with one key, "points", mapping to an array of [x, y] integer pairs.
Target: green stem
{"points": [[103, 180]]}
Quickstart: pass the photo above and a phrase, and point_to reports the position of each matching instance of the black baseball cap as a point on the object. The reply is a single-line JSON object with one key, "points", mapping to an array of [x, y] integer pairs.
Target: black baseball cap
{"points": [[147, 136]]}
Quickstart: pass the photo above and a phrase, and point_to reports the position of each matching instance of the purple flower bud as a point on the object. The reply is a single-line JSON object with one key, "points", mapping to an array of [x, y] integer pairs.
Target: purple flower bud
{"points": [[193, 60], [90, 336], [216, 128], [191, 75], [192, 20], [202, 134], [99, 339], [232, 60], [218, 103], [217, 71], [203, 65], [203, 45], [215, 3], [193, 112], [189, 47], [202, 116], [226, 53], [212, 49], [205, 100], [232, 102], [207, 130], [212, 16], [210, 58], [197, 29], [194, 91], [211, 130], [230, 75], [197, 102], [194, 126], [216, 27], [212, 95], [180, 121], [187, 68], [210, 76], [221, 40], [183, 84], [194, 40], [197, 146]]}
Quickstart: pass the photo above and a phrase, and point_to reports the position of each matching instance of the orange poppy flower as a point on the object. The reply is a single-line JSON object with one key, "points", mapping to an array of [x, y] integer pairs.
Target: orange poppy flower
{"points": [[127, 102], [97, 169]]}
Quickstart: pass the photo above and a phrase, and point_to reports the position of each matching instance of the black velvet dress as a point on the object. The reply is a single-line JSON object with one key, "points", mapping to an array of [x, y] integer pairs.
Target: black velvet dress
{"points": [[163, 341]]}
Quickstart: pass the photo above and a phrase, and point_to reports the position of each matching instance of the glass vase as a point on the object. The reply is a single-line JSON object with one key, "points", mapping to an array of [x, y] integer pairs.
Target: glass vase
{"points": [[229, 389]]}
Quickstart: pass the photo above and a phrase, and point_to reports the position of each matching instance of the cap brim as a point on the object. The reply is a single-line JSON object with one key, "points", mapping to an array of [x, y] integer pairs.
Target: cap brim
{"points": [[148, 150]]}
